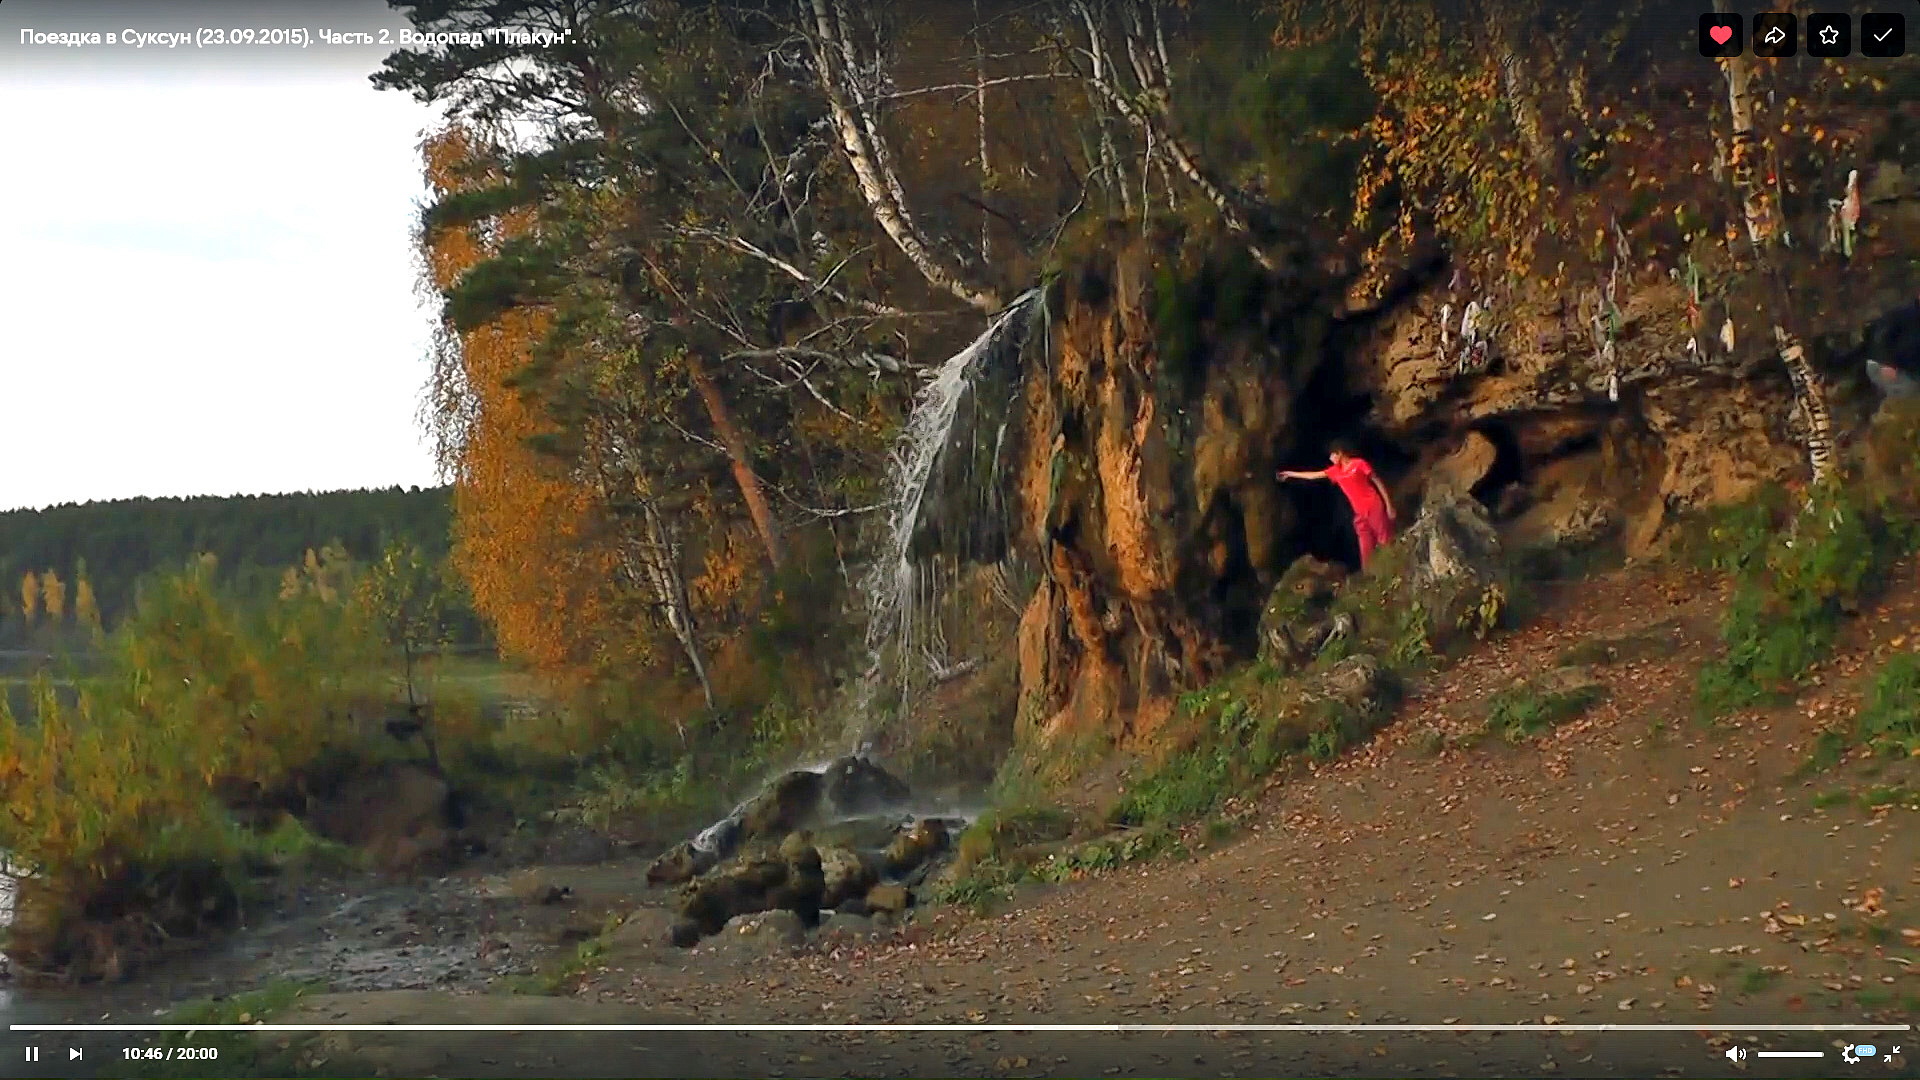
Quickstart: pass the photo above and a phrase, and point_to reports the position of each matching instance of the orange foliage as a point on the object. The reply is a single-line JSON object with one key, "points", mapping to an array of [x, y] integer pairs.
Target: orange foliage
{"points": [[526, 538]]}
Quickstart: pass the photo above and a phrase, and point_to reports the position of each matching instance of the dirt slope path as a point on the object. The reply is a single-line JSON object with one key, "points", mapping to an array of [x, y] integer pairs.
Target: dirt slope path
{"points": [[1631, 867]]}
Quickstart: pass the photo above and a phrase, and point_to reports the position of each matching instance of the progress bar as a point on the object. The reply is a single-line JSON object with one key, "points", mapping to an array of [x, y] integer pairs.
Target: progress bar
{"points": [[1109, 1028]]}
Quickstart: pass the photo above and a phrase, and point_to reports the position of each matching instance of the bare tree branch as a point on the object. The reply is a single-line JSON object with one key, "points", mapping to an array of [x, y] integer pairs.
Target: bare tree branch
{"points": [[867, 152]]}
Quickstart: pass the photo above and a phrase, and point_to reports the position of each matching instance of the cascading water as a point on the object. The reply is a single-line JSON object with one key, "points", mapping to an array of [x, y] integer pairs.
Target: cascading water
{"points": [[944, 480], [901, 589]]}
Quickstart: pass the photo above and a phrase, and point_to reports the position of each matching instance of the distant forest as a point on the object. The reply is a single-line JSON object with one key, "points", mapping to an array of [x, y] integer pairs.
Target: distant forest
{"points": [[253, 538]]}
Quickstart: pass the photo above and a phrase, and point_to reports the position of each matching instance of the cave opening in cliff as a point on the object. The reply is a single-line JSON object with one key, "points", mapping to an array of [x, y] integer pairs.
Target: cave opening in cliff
{"points": [[1508, 466], [1329, 411]]}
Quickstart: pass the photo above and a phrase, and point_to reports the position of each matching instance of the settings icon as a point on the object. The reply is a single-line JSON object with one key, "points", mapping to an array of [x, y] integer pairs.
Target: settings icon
{"points": [[1858, 1052]]}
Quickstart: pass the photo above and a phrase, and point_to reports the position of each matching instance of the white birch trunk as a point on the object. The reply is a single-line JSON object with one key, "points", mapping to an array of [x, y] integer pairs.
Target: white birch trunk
{"points": [[1756, 207], [868, 154], [660, 570]]}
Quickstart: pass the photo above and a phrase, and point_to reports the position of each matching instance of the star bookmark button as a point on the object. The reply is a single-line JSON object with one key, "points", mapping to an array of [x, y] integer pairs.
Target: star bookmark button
{"points": [[1829, 34]]}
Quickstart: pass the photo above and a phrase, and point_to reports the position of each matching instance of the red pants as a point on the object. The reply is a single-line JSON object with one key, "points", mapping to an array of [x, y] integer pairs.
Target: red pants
{"points": [[1373, 529]]}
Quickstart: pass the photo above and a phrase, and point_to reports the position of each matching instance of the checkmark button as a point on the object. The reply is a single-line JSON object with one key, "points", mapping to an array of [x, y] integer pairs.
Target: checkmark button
{"points": [[1883, 33]]}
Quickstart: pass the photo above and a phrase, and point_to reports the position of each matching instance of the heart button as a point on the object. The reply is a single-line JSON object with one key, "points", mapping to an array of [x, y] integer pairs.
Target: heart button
{"points": [[1720, 33]]}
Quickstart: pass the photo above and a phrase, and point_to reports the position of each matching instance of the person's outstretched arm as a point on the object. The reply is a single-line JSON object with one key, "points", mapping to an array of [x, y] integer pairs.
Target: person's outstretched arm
{"points": [[1292, 474]]}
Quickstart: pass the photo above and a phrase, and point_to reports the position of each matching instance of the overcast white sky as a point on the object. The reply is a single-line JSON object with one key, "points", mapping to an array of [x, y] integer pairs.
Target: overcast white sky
{"points": [[206, 278]]}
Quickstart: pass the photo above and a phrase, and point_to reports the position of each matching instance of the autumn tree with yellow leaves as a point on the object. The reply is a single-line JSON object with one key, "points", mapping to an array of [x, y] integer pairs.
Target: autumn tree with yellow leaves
{"points": [[526, 537], [30, 596], [86, 609], [53, 595]]}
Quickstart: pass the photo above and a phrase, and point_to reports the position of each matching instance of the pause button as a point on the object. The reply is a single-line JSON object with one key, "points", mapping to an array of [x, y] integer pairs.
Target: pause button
{"points": [[33, 1053]]}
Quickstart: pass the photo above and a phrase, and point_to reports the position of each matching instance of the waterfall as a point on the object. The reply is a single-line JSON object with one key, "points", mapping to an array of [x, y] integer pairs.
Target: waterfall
{"points": [[900, 589]]}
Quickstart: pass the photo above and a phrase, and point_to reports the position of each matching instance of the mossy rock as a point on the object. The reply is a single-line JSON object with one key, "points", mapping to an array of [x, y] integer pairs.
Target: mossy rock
{"points": [[679, 864], [790, 802], [912, 848], [855, 785], [846, 874]]}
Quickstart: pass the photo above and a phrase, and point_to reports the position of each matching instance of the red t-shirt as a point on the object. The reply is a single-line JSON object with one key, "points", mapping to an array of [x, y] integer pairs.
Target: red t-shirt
{"points": [[1356, 481]]}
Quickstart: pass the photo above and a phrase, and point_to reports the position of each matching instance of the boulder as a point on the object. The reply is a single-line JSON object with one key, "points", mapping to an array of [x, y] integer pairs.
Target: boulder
{"points": [[910, 849], [779, 926], [1289, 647], [846, 875], [888, 899], [804, 887], [1360, 683], [762, 933], [855, 785], [1892, 452], [1572, 680], [741, 889], [1572, 520], [845, 925], [681, 863], [1292, 623], [790, 802], [1468, 464], [872, 833], [642, 931], [1453, 559]]}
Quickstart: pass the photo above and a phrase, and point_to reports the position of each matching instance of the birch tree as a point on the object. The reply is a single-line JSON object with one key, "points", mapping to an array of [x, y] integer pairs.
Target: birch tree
{"points": [[1761, 219], [1141, 94], [847, 66]]}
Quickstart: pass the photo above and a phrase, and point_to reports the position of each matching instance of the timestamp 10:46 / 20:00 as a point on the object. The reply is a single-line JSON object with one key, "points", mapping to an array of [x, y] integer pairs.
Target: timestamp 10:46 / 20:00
{"points": [[170, 1053]]}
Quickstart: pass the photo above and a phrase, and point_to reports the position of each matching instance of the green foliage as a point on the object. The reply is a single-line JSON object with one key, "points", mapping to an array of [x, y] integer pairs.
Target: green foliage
{"points": [[1792, 595], [408, 597], [980, 884], [1650, 642], [1185, 786], [1890, 721], [1249, 726], [240, 1054], [250, 1007], [1731, 538], [980, 887], [996, 835], [608, 795], [558, 978], [251, 537], [1281, 116], [1133, 846], [1521, 712], [128, 795], [290, 845]]}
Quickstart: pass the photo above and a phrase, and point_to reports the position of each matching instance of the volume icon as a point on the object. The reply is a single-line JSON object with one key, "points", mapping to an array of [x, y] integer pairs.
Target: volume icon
{"points": [[1736, 1053]]}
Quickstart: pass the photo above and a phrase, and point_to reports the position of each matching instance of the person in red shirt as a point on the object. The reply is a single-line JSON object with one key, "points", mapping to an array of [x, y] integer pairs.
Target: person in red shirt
{"points": [[1372, 506]]}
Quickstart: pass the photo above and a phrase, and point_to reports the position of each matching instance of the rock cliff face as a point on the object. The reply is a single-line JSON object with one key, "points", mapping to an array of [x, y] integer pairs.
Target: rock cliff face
{"points": [[1171, 392], [1170, 382], [1537, 431]]}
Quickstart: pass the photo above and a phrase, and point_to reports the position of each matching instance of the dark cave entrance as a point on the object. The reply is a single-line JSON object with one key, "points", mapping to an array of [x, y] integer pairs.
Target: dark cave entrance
{"points": [[1322, 521], [1328, 410], [1508, 462]]}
